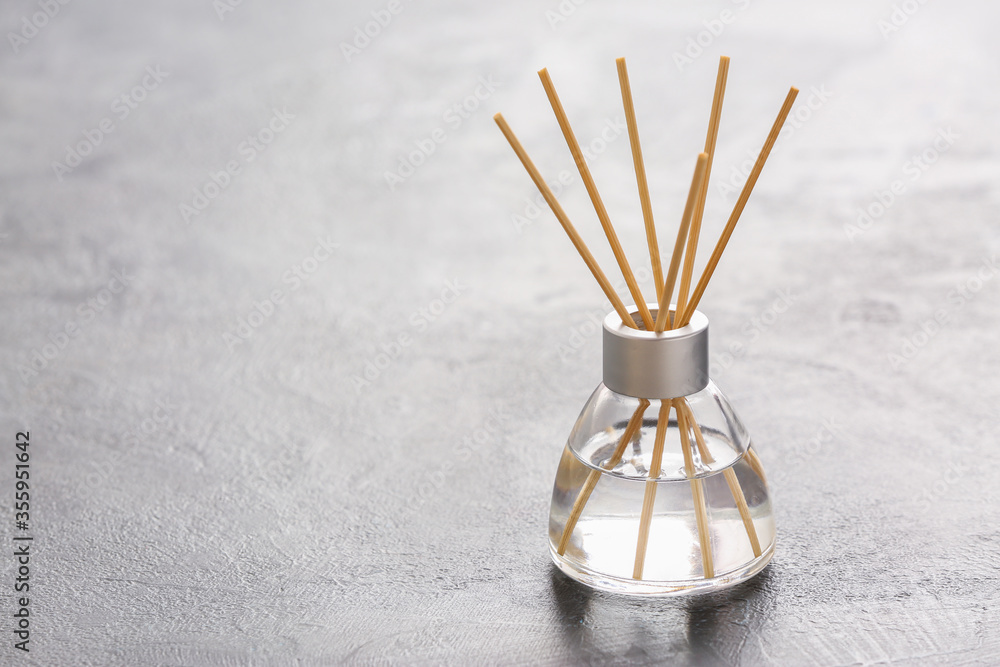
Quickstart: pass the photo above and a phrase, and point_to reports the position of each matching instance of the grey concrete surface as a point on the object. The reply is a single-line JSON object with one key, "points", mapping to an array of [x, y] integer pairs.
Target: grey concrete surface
{"points": [[360, 472]]}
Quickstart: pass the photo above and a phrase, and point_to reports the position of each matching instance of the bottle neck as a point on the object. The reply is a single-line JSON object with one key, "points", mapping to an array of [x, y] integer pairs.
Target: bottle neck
{"points": [[647, 364]]}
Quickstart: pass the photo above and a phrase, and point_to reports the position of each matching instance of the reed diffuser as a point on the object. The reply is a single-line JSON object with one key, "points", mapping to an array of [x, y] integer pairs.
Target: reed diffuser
{"points": [[659, 490]]}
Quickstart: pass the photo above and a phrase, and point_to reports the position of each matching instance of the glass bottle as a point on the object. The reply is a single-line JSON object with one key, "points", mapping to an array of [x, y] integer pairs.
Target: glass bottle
{"points": [[659, 490]]}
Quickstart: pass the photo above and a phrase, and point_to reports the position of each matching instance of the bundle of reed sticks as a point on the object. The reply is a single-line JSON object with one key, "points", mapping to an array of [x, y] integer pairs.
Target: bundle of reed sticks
{"points": [[685, 247]]}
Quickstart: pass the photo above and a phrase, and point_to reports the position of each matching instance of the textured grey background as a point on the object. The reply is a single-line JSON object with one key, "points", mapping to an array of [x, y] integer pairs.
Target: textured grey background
{"points": [[199, 503]]}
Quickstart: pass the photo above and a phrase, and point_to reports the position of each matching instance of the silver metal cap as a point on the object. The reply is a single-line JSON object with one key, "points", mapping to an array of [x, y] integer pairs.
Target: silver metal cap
{"points": [[646, 364]]}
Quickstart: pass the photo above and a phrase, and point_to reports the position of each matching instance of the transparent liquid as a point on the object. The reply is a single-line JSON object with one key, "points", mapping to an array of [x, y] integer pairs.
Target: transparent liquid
{"points": [[603, 544]]}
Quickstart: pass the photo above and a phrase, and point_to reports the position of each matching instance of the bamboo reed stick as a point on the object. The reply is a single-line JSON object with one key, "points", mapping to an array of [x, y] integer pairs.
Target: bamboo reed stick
{"points": [[595, 198], [755, 464], [720, 246], [698, 495], [649, 497], [640, 177], [741, 504], [560, 214], [695, 230], [731, 479], [634, 422], [663, 314]]}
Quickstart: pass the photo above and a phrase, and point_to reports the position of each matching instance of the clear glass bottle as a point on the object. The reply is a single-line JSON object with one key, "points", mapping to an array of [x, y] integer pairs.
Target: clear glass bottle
{"points": [[659, 491]]}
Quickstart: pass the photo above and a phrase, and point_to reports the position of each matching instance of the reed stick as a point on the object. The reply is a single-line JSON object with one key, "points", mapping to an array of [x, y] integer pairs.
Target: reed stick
{"points": [[698, 495], [694, 231], [720, 246], [634, 422], [731, 479], [755, 464], [560, 214], [649, 497], [640, 177], [710, 140], [595, 198], [741, 504], [663, 314]]}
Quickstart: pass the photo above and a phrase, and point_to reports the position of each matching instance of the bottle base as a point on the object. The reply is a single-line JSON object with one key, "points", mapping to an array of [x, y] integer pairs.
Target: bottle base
{"points": [[653, 588]]}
